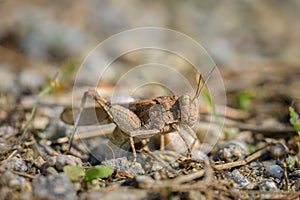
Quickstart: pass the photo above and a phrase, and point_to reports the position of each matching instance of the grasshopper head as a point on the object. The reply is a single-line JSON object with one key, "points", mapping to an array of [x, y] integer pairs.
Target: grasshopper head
{"points": [[185, 100]]}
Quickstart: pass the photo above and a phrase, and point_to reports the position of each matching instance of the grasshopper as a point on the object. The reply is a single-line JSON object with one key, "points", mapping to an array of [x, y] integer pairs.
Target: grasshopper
{"points": [[141, 119]]}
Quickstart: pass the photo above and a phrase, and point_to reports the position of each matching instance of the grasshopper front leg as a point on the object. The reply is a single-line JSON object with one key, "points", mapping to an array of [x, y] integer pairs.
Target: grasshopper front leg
{"points": [[180, 131], [189, 130]]}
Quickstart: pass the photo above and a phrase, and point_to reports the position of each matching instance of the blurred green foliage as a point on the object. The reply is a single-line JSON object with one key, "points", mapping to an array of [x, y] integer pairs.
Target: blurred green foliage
{"points": [[295, 121], [244, 99], [290, 162]]}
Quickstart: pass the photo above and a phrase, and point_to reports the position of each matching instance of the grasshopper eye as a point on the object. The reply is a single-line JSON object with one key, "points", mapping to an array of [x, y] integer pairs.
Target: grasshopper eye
{"points": [[185, 100]]}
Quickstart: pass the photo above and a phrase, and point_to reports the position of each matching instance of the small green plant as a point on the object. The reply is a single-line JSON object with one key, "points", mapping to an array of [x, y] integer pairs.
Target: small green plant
{"points": [[48, 89], [295, 121], [52, 85], [99, 171], [290, 162], [77, 174], [74, 173]]}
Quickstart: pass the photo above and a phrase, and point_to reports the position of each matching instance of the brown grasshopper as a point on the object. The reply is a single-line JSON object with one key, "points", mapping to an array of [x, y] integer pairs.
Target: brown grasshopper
{"points": [[142, 119]]}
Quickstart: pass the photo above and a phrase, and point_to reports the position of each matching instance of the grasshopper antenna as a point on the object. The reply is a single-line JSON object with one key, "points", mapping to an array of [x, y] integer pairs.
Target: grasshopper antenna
{"points": [[77, 119], [200, 87]]}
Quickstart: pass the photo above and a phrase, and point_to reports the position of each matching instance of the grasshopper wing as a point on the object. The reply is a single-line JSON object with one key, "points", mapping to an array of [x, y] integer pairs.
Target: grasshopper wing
{"points": [[90, 116]]}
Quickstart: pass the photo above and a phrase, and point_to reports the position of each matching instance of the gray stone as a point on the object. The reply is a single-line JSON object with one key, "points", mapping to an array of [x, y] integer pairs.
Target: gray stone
{"points": [[8, 79], [12, 180], [231, 152], [267, 185], [295, 173], [275, 171], [199, 155], [238, 178], [14, 163], [53, 187], [7, 131], [60, 161], [120, 164]]}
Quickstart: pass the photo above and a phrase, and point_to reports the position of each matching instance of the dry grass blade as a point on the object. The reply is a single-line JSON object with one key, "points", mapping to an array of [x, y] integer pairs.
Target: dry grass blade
{"points": [[238, 163]]}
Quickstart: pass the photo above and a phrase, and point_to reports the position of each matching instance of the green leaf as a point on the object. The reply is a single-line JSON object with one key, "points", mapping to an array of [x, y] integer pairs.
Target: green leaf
{"points": [[74, 172], [294, 119], [99, 171]]}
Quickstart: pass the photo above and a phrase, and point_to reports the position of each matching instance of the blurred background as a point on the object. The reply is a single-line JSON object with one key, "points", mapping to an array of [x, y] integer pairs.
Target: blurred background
{"points": [[250, 41]]}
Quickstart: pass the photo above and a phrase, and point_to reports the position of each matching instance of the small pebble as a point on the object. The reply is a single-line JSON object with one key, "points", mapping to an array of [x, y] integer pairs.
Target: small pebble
{"points": [[144, 182], [256, 165], [53, 187], [274, 170], [231, 152], [239, 178], [39, 160], [4, 147], [156, 166], [12, 180], [7, 131], [63, 160], [267, 185], [14, 163], [199, 155], [242, 143], [295, 173], [51, 170], [120, 164], [60, 161], [8, 79]]}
